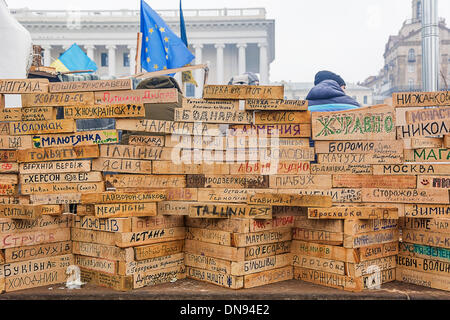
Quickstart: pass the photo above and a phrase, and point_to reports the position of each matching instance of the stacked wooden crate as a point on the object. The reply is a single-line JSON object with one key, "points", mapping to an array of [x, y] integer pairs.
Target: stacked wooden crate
{"points": [[351, 245], [35, 247], [424, 126]]}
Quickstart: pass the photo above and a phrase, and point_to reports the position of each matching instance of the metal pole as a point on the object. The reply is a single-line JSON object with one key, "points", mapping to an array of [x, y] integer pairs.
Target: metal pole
{"points": [[430, 46]]}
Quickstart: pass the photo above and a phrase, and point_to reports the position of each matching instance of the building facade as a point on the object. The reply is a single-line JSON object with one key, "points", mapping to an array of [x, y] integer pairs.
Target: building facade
{"points": [[230, 41], [402, 69]]}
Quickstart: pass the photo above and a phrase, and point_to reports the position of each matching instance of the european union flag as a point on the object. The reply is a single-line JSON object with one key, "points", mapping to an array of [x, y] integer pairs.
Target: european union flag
{"points": [[161, 48]]}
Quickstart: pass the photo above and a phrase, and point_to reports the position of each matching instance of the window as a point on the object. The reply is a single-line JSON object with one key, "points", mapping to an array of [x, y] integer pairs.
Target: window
{"points": [[104, 57], [190, 90], [411, 55], [126, 59], [365, 99], [411, 67], [419, 10], [411, 84]]}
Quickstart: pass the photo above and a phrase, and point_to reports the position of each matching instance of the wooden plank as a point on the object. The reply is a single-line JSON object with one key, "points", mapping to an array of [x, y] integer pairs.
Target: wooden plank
{"points": [[55, 166], [338, 195], [405, 195], [324, 251], [433, 239], [369, 123], [268, 277], [267, 250], [158, 250], [227, 181], [359, 158], [320, 264], [52, 210], [217, 278], [124, 197], [168, 127], [420, 99], [353, 213], [144, 267], [28, 114], [214, 250], [275, 223], [433, 182], [4, 128], [225, 195], [18, 86], [419, 143], [14, 200], [411, 169], [137, 152], [300, 181], [446, 141], [263, 237], [427, 211], [116, 282], [197, 142], [224, 210], [147, 181], [370, 238], [228, 225], [93, 236], [352, 227], [86, 138], [133, 239], [8, 155], [282, 167], [271, 104], [30, 238], [137, 96], [174, 208], [9, 179], [92, 85], [424, 252], [427, 155], [286, 153], [64, 198], [207, 263], [260, 265], [43, 223], [15, 142], [60, 177], [36, 279], [241, 92], [431, 128], [436, 267], [269, 130], [20, 211], [373, 181], [327, 169], [395, 147], [41, 188], [318, 236], [210, 236], [289, 200], [282, 117], [57, 99], [8, 189], [148, 141], [123, 210], [122, 165], [32, 252], [169, 167], [108, 225], [428, 225], [102, 251], [96, 264], [159, 276], [364, 268], [377, 251], [9, 167], [146, 223], [424, 279], [328, 279], [219, 105], [427, 115], [57, 153], [331, 225], [255, 141], [212, 115]]}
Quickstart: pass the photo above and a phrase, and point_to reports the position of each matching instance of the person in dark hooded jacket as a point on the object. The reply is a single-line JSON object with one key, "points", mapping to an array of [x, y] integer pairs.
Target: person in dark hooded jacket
{"points": [[328, 94]]}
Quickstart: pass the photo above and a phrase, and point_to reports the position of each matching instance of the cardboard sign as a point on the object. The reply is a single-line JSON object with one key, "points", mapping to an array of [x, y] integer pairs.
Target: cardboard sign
{"points": [[105, 111], [405, 195], [373, 181], [122, 165], [57, 153], [241, 92], [206, 210], [282, 117], [41, 127], [431, 128], [427, 115], [55, 166], [289, 200], [428, 155], [17, 86], [370, 123], [92, 85], [86, 138], [267, 104], [353, 213], [57, 99], [137, 96], [268, 130], [421, 99]]}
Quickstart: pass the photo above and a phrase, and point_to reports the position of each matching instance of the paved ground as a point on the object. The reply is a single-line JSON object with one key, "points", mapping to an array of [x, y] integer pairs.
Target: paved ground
{"points": [[188, 289]]}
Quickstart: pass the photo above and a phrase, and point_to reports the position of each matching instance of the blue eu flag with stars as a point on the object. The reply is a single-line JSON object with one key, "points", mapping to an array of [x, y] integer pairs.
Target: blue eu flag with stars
{"points": [[161, 48]]}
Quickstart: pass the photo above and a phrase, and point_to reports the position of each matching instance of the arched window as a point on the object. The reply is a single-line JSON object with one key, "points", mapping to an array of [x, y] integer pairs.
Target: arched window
{"points": [[419, 10], [411, 55]]}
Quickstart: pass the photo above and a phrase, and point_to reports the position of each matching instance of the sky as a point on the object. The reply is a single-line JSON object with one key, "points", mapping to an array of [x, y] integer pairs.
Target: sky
{"points": [[344, 36]]}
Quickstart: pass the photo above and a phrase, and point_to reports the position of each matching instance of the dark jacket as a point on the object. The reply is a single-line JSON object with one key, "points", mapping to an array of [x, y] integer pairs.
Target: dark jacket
{"points": [[328, 92]]}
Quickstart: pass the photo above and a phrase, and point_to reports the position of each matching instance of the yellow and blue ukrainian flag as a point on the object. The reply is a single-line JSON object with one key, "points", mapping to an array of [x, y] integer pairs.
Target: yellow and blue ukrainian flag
{"points": [[74, 59], [162, 49]]}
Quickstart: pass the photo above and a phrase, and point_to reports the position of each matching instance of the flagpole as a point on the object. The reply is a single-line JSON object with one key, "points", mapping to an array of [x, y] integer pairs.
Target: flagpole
{"points": [[138, 68]]}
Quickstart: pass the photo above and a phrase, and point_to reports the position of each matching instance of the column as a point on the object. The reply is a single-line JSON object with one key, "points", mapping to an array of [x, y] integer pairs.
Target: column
{"points": [[47, 55], [132, 59], [220, 47], [242, 67], [198, 74], [90, 51], [111, 60], [263, 64]]}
